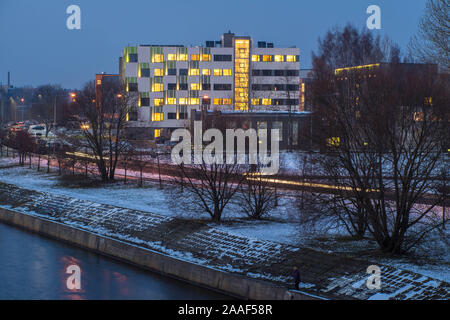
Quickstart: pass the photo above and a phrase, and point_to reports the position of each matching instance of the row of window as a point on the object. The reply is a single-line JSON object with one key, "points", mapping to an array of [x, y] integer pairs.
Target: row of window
{"points": [[159, 116], [275, 87], [158, 102], [133, 57], [275, 102], [275, 73], [194, 86], [275, 58], [159, 87], [173, 116], [145, 73]]}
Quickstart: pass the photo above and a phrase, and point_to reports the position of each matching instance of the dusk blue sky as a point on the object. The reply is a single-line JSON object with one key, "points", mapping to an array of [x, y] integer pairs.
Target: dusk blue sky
{"points": [[37, 47]]}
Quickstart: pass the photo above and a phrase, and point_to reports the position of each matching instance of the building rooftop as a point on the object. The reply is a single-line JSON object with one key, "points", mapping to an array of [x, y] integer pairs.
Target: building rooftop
{"points": [[225, 42]]}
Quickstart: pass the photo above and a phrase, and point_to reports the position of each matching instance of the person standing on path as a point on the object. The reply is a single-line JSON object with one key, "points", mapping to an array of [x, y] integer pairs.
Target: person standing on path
{"points": [[296, 275]]}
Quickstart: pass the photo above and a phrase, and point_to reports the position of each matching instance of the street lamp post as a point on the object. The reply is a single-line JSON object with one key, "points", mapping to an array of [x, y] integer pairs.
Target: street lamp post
{"points": [[72, 95]]}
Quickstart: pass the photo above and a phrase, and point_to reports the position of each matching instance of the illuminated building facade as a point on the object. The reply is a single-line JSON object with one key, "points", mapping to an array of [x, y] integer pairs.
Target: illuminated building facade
{"points": [[226, 75]]}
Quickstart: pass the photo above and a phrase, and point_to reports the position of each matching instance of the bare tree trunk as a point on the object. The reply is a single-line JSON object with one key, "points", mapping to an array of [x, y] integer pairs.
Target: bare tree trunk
{"points": [[159, 170], [125, 169], [182, 177]]}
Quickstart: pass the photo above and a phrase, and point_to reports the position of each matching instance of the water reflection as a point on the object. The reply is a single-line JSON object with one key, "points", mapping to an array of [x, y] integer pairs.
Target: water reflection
{"points": [[34, 267]]}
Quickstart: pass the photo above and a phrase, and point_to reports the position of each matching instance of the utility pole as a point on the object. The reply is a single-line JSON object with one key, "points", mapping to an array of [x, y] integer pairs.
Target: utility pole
{"points": [[54, 125]]}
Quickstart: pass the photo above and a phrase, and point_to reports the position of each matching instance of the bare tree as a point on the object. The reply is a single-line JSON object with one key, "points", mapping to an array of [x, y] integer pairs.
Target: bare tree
{"points": [[386, 131], [46, 100], [431, 43], [23, 143], [442, 189], [212, 184], [257, 194], [139, 161], [103, 122]]}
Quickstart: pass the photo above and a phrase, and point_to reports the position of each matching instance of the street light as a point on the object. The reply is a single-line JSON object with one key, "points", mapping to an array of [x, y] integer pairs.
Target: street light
{"points": [[72, 95]]}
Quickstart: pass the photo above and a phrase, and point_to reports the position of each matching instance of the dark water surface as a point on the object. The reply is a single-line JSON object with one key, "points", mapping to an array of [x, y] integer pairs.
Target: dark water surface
{"points": [[34, 267]]}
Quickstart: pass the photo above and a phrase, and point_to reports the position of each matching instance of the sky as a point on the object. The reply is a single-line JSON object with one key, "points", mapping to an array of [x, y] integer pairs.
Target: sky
{"points": [[37, 47]]}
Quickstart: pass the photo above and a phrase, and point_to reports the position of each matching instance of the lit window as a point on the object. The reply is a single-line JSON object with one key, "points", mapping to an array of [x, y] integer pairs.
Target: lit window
{"points": [[159, 102], [158, 116], [157, 87], [227, 72], [428, 101], [171, 100], [266, 102], [217, 72], [255, 57], [157, 133], [206, 72], [182, 57], [206, 57], [99, 82], [255, 102], [171, 57], [279, 58], [158, 72], [195, 86], [194, 72], [183, 100], [290, 58], [418, 116], [222, 101], [195, 57], [333, 141], [267, 58], [157, 58], [194, 101]]}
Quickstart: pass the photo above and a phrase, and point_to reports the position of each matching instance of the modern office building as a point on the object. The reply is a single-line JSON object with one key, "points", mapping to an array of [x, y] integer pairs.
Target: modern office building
{"points": [[231, 74]]}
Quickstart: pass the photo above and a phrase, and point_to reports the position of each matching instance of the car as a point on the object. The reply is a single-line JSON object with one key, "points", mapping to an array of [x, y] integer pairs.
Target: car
{"points": [[37, 130]]}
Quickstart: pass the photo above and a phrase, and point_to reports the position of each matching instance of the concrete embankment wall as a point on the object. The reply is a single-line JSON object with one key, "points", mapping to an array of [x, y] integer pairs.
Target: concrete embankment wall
{"points": [[232, 284]]}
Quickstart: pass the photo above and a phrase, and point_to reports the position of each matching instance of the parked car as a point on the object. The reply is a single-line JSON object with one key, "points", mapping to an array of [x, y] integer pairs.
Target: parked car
{"points": [[37, 130]]}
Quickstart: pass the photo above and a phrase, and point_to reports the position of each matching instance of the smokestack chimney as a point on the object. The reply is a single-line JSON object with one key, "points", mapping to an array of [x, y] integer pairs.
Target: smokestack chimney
{"points": [[9, 79]]}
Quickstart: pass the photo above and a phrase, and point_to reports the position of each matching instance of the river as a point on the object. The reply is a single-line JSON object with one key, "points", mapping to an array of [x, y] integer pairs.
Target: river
{"points": [[36, 267]]}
